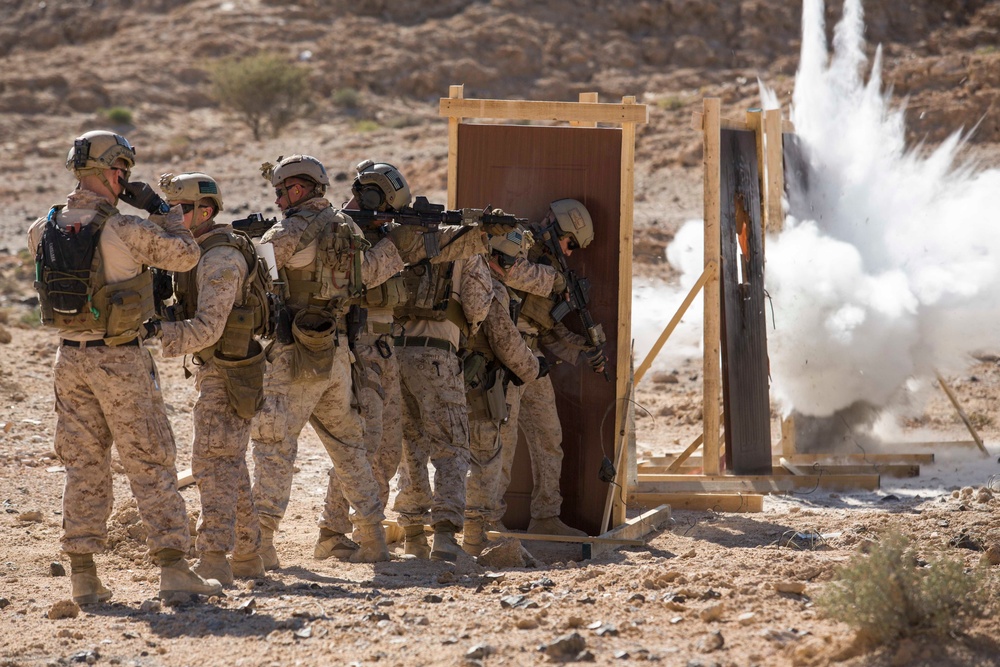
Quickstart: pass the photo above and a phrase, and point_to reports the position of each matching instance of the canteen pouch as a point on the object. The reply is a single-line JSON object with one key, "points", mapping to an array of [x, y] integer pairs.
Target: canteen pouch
{"points": [[244, 380], [315, 335]]}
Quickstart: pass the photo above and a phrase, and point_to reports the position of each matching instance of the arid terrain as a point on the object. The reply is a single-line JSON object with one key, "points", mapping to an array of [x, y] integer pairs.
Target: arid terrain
{"points": [[712, 588]]}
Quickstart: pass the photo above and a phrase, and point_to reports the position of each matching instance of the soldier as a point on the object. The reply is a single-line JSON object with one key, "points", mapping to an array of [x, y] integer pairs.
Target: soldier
{"points": [[533, 405], [325, 263], [213, 320], [445, 302], [106, 384], [381, 187], [495, 356]]}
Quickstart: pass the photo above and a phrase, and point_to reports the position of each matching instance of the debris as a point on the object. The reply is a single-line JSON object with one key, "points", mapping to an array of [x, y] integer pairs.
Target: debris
{"points": [[33, 516], [712, 613], [793, 587], [64, 609], [56, 569], [711, 642], [479, 651], [565, 647], [303, 633], [89, 657], [433, 599], [151, 607]]}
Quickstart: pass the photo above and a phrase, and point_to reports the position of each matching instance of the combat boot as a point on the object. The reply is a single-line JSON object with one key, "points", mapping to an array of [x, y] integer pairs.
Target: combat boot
{"points": [[87, 587], [474, 538], [268, 554], [333, 544], [214, 565], [178, 583], [371, 540], [415, 542], [553, 525], [247, 566], [445, 545]]}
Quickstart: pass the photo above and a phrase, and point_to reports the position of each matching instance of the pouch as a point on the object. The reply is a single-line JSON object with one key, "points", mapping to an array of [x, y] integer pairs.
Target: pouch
{"points": [[315, 335], [244, 380]]}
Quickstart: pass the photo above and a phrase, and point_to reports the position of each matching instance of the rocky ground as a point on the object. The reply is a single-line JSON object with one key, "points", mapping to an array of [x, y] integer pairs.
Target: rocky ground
{"points": [[710, 589]]}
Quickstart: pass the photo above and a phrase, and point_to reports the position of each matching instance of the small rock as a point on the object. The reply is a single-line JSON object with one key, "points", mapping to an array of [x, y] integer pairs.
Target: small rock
{"points": [[622, 655], [4, 602], [584, 656], [151, 606], [793, 587], [711, 642], [479, 651], [64, 609], [990, 557], [563, 647], [712, 613], [746, 618], [526, 624], [30, 517], [446, 577], [433, 599], [89, 657], [56, 569]]}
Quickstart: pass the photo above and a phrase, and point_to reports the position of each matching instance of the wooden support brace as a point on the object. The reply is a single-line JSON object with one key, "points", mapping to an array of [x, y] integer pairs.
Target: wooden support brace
{"points": [[962, 415], [716, 502], [774, 483], [859, 459], [638, 527]]}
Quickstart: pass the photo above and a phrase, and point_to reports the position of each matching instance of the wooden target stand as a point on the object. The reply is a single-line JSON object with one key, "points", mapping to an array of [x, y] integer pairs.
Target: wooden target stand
{"points": [[520, 155], [692, 482]]}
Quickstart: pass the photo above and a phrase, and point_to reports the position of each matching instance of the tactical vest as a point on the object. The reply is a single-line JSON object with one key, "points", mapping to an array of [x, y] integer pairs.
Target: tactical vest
{"points": [[118, 310], [392, 292], [251, 312], [333, 281], [428, 295]]}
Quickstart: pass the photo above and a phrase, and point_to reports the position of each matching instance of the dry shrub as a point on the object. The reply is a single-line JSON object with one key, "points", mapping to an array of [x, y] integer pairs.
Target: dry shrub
{"points": [[890, 593], [263, 89]]}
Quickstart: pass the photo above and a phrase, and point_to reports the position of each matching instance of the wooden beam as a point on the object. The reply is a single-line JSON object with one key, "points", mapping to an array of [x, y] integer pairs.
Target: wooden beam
{"points": [[718, 502], [754, 483], [457, 93], [550, 111], [532, 537], [711, 375], [637, 527], [671, 325], [683, 456], [773, 148], [837, 459], [961, 414], [586, 98], [788, 436], [698, 123], [614, 508], [894, 470]]}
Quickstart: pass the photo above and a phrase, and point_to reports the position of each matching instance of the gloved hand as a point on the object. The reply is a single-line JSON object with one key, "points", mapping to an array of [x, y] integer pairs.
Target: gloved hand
{"points": [[596, 359], [140, 195], [558, 283], [543, 367]]}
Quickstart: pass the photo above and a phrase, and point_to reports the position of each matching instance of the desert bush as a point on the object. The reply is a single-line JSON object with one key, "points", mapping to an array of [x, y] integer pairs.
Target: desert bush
{"points": [[347, 98], [889, 593], [263, 90], [118, 115]]}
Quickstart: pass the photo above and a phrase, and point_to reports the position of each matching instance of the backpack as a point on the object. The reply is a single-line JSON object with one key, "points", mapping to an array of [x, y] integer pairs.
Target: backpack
{"points": [[68, 270]]}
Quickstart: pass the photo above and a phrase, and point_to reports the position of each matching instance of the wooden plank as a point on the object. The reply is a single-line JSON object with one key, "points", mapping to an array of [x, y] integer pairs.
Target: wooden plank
{"points": [[755, 121], [838, 459], [717, 502], [961, 414], [744, 327], [455, 92], [894, 470], [546, 111], [711, 372], [671, 325], [774, 219], [791, 468], [533, 537], [185, 478], [614, 508], [788, 436], [754, 483], [639, 526], [586, 98], [698, 123]]}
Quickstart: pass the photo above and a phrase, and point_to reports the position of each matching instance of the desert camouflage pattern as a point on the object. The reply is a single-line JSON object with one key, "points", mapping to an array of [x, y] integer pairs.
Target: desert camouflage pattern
{"points": [[379, 263], [533, 408], [220, 276], [218, 457], [531, 277], [483, 498], [564, 344], [108, 395], [435, 429], [381, 409], [327, 404], [127, 243], [456, 243]]}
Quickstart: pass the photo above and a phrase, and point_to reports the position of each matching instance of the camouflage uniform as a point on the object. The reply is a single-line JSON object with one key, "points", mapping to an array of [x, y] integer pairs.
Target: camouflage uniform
{"points": [[435, 422], [380, 398], [533, 405], [108, 395], [486, 435], [325, 401], [218, 459]]}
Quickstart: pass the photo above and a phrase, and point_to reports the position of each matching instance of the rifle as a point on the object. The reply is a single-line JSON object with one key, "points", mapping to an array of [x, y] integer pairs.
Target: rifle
{"points": [[254, 225], [432, 216], [576, 296]]}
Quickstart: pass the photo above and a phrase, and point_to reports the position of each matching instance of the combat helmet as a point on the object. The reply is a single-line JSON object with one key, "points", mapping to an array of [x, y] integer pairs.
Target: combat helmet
{"points": [[512, 245], [574, 219], [302, 166], [191, 186], [97, 150], [380, 186]]}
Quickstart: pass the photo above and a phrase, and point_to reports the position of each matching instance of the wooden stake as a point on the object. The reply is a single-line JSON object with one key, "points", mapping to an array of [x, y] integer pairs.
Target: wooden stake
{"points": [[711, 375], [961, 413], [637, 527], [455, 93]]}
